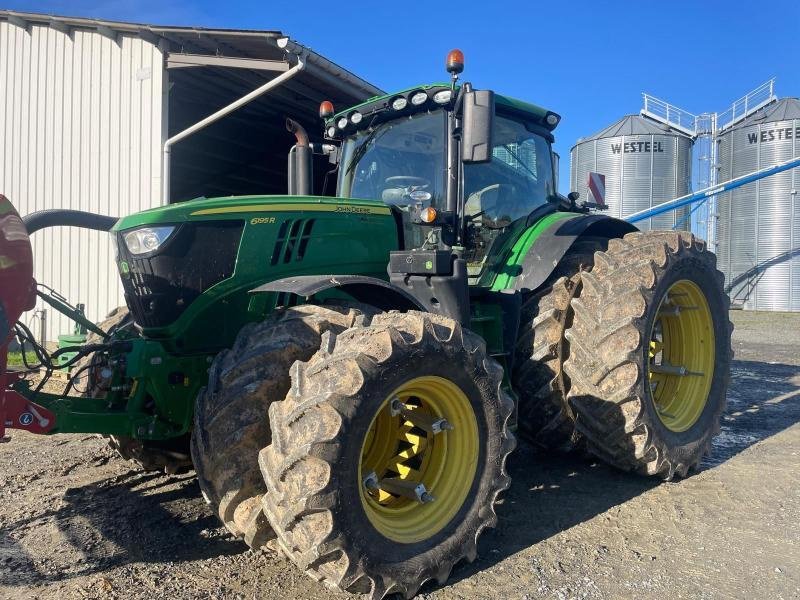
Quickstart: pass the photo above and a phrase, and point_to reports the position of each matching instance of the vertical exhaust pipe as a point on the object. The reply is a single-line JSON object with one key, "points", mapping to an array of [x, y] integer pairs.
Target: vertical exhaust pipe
{"points": [[300, 161]]}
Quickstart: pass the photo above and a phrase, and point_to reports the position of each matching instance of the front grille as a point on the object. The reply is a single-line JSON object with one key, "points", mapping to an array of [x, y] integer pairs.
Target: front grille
{"points": [[197, 256]]}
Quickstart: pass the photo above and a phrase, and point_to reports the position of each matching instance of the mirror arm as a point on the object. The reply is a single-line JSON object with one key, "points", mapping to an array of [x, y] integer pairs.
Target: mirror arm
{"points": [[459, 103]]}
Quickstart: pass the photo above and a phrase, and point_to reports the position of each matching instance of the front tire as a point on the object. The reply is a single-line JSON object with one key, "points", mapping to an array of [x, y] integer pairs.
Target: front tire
{"points": [[230, 419], [354, 440], [650, 353]]}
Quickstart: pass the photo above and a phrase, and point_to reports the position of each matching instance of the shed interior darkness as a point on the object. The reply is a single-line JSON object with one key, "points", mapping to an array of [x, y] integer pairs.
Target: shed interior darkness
{"points": [[245, 152]]}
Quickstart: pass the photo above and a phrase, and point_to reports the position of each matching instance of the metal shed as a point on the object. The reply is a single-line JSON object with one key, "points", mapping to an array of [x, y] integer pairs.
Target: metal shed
{"points": [[90, 110]]}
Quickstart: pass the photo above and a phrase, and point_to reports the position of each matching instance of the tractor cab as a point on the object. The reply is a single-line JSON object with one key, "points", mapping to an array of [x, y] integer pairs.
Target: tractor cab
{"points": [[462, 169], [402, 159]]}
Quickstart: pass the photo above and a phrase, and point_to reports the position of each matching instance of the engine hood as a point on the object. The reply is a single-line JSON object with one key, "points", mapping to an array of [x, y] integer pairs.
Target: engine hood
{"points": [[249, 207]]}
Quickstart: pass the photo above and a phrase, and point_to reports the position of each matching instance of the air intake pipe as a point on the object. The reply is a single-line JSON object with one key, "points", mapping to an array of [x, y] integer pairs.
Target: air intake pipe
{"points": [[67, 218], [300, 161]]}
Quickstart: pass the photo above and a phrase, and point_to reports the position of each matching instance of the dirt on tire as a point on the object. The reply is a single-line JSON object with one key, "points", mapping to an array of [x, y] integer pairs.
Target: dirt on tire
{"points": [[610, 392], [230, 422], [318, 431], [545, 416]]}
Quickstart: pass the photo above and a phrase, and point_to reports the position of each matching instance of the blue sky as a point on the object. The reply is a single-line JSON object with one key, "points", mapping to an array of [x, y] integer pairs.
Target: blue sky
{"points": [[589, 61]]}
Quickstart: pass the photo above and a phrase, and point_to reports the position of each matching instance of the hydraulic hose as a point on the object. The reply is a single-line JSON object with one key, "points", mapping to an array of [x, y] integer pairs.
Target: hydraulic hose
{"points": [[67, 218]]}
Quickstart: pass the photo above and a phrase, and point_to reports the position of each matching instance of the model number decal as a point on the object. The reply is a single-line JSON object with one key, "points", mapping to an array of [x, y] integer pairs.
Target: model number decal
{"points": [[262, 220]]}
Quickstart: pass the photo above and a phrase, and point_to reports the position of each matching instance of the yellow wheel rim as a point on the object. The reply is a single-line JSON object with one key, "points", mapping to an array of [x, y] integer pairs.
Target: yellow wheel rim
{"points": [[681, 356], [424, 434]]}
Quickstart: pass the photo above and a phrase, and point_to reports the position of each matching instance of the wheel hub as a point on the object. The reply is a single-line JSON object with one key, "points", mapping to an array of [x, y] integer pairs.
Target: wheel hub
{"points": [[681, 356], [418, 459]]}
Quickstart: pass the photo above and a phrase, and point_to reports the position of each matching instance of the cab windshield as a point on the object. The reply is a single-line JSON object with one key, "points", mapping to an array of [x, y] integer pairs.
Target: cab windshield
{"points": [[400, 162]]}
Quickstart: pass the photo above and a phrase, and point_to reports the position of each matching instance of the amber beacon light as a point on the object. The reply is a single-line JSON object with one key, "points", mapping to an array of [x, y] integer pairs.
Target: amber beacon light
{"points": [[325, 109], [455, 61]]}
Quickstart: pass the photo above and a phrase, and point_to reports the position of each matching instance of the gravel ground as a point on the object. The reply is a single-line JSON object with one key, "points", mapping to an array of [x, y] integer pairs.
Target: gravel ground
{"points": [[77, 522]]}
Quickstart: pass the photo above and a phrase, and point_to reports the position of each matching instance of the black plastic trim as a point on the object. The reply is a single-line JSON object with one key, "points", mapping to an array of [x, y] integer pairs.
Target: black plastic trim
{"points": [[554, 243], [369, 290]]}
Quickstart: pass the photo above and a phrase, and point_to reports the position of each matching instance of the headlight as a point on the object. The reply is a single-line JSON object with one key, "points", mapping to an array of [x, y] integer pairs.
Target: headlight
{"points": [[419, 98], [147, 239], [342, 123], [399, 103], [356, 118], [442, 97]]}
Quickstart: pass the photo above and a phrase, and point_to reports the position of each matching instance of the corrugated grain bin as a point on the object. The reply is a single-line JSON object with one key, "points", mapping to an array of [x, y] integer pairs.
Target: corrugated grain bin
{"points": [[758, 231], [645, 163]]}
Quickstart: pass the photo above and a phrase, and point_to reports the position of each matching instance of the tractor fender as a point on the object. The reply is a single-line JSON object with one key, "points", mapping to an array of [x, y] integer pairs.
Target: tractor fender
{"points": [[368, 290], [550, 247]]}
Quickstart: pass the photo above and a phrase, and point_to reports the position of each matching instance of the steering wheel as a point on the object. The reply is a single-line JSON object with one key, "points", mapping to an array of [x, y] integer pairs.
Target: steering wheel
{"points": [[406, 181]]}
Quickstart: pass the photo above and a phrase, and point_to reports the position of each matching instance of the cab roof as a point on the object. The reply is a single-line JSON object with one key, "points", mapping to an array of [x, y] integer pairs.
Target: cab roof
{"points": [[505, 104]]}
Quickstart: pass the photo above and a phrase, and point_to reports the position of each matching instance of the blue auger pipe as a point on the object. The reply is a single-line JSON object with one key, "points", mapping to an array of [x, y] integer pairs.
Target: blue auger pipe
{"points": [[703, 194]]}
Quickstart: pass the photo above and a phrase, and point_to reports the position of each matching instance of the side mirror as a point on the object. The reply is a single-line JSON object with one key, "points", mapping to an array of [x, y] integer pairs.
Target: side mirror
{"points": [[556, 168], [477, 125]]}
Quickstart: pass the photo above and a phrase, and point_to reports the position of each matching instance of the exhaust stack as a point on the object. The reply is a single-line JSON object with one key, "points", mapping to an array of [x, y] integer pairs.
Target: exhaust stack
{"points": [[300, 161]]}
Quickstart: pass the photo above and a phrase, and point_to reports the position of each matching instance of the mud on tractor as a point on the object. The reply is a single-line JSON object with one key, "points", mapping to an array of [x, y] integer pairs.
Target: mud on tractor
{"points": [[345, 373]]}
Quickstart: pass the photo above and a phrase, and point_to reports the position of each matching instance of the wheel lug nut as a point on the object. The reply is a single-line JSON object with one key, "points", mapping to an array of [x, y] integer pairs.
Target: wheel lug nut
{"points": [[371, 481]]}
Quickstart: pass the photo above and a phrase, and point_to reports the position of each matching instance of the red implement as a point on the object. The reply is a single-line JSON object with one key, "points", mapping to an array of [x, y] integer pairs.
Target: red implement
{"points": [[17, 294]]}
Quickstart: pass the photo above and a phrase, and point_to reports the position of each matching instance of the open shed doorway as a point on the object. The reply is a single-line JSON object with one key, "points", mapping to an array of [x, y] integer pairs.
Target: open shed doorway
{"points": [[246, 151]]}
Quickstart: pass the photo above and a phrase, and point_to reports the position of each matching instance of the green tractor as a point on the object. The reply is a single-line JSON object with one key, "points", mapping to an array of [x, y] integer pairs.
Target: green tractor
{"points": [[348, 370]]}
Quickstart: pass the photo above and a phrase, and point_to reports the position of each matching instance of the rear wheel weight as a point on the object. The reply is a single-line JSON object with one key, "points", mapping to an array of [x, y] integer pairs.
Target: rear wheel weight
{"points": [[231, 423], [332, 470], [650, 353]]}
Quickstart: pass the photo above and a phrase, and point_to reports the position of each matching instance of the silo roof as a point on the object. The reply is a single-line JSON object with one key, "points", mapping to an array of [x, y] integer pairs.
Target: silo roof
{"points": [[633, 125], [782, 110]]}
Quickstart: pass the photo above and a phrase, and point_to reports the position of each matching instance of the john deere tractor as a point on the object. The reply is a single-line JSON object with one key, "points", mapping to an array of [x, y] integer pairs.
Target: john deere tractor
{"points": [[350, 369]]}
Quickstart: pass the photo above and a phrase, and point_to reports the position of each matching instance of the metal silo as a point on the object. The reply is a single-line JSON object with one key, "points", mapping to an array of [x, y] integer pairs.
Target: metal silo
{"points": [[758, 231], [645, 163]]}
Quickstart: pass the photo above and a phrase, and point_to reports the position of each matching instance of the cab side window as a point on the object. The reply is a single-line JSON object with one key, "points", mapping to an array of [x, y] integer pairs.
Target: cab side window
{"points": [[517, 180]]}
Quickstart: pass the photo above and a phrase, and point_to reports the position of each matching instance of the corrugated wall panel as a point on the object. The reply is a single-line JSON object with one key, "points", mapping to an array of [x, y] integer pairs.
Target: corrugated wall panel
{"points": [[759, 226], [81, 126]]}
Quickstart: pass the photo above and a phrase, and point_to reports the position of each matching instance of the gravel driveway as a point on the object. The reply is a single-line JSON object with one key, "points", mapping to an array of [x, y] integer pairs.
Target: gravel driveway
{"points": [[77, 522]]}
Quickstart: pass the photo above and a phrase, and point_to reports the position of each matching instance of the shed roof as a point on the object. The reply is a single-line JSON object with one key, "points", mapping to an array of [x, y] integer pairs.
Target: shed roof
{"points": [[272, 45]]}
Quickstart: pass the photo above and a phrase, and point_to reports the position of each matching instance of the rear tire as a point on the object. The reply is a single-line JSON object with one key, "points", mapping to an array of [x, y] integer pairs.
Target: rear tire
{"points": [[637, 410], [545, 417], [337, 419], [230, 420], [168, 456]]}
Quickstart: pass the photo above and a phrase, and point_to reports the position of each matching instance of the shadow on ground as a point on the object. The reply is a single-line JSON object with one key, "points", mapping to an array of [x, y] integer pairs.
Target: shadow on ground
{"points": [[133, 518], [150, 518], [551, 493]]}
